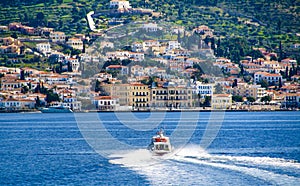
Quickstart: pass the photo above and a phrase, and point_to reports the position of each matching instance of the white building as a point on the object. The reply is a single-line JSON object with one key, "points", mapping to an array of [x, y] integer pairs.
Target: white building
{"points": [[57, 79], [106, 44], [74, 64], [204, 89], [72, 102], [17, 104], [137, 56], [205, 30], [116, 4], [272, 79], [75, 43], [150, 43], [44, 48], [107, 103], [150, 27], [137, 70], [57, 37], [173, 45], [137, 47]]}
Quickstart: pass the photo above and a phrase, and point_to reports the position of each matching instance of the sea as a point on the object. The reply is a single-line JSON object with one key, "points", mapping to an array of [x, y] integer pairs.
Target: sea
{"points": [[110, 148]]}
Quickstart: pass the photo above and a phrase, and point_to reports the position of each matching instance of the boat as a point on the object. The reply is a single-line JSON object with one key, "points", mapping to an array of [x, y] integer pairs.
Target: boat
{"points": [[160, 144], [56, 109]]}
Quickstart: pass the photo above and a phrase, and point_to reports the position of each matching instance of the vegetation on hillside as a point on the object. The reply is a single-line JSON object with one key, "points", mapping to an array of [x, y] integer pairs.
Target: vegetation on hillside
{"points": [[257, 23]]}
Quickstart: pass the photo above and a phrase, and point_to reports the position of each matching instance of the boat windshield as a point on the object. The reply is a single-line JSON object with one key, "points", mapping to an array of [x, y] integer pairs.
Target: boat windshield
{"points": [[162, 147]]}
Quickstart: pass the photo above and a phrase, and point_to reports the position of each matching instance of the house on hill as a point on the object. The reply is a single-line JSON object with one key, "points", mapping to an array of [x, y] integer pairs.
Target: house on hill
{"points": [[116, 4], [122, 69]]}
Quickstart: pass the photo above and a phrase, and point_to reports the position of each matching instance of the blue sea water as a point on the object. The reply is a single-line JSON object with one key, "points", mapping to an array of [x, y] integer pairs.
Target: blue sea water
{"points": [[232, 148]]}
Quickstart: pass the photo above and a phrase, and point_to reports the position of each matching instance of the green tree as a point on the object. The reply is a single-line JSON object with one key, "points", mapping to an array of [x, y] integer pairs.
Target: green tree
{"points": [[234, 84], [218, 89], [37, 88], [266, 99], [75, 52], [251, 99], [14, 35], [264, 83], [207, 101], [24, 89], [280, 83], [22, 75], [237, 98], [40, 18], [51, 96], [37, 102], [97, 86], [70, 67], [5, 59], [255, 54]]}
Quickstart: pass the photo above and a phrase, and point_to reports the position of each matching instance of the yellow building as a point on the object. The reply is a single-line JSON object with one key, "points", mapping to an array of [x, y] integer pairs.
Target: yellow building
{"points": [[139, 96], [10, 41], [221, 101], [120, 91]]}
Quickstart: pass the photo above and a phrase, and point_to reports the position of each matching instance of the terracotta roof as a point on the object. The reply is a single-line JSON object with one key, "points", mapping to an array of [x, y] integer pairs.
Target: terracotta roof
{"points": [[221, 95], [105, 98], [273, 75]]}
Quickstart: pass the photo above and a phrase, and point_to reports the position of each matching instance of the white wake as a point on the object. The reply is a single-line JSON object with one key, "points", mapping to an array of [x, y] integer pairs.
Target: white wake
{"points": [[191, 165]]}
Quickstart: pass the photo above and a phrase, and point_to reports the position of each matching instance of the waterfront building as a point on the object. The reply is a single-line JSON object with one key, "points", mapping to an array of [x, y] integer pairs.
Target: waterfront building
{"points": [[139, 96], [13, 104], [72, 102], [246, 90], [171, 96], [204, 89], [292, 100], [106, 103], [221, 101], [121, 91]]}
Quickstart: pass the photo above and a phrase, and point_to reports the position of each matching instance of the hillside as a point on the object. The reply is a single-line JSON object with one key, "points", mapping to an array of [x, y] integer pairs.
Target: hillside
{"points": [[264, 23]]}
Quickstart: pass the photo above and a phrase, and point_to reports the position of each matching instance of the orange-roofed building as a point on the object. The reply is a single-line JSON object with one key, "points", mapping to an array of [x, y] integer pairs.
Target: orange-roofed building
{"points": [[106, 103], [122, 69], [221, 101], [272, 79]]}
